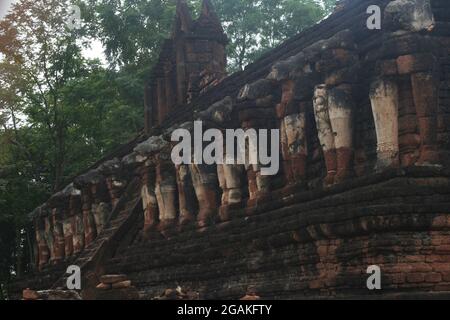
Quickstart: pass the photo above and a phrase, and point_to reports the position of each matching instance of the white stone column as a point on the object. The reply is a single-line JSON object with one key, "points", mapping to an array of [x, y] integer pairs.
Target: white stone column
{"points": [[325, 131], [384, 100]]}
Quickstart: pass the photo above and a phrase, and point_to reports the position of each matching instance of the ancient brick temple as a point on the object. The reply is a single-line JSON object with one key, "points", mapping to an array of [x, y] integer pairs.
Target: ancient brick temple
{"points": [[364, 119]]}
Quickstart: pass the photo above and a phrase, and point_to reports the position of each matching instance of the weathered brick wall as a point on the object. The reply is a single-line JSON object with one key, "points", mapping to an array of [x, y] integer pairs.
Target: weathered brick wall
{"points": [[310, 245]]}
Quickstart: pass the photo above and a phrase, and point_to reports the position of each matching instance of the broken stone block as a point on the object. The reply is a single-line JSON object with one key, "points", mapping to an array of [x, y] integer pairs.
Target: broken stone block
{"points": [[132, 160], [113, 278], [325, 132], [151, 146], [257, 89], [104, 286], [219, 112], [122, 284], [409, 16], [29, 294], [110, 167], [55, 295], [92, 177]]}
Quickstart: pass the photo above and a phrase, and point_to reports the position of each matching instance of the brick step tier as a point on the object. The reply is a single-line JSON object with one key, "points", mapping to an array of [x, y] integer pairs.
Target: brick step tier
{"points": [[314, 248]]}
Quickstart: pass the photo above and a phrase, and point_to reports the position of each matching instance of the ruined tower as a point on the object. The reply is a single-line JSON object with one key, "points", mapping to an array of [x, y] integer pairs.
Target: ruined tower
{"points": [[193, 59]]}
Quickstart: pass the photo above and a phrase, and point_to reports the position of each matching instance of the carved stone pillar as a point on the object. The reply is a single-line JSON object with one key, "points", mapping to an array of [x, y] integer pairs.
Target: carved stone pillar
{"points": [[115, 183], [230, 181], [186, 194], [407, 54], [426, 100], [43, 253], [73, 225], [93, 194], [166, 191], [334, 63], [49, 236], [159, 185], [116, 186], [256, 110], [58, 232], [384, 100], [259, 186], [69, 230], [101, 204], [149, 200], [230, 176], [339, 65], [90, 232], [293, 142], [79, 234], [333, 113], [325, 132], [101, 212], [293, 134], [73, 199], [205, 182]]}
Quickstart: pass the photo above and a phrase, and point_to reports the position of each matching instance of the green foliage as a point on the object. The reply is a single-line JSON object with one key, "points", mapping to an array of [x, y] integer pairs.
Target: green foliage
{"points": [[59, 113], [255, 26], [131, 30]]}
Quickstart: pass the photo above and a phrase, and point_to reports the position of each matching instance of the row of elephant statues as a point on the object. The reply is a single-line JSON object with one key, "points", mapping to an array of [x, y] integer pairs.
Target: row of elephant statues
{"points": [[321, 79]]}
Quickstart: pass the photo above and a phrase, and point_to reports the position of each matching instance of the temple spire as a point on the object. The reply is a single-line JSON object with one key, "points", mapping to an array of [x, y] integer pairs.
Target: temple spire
{"points": [[183, 21], [208, 16]]}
